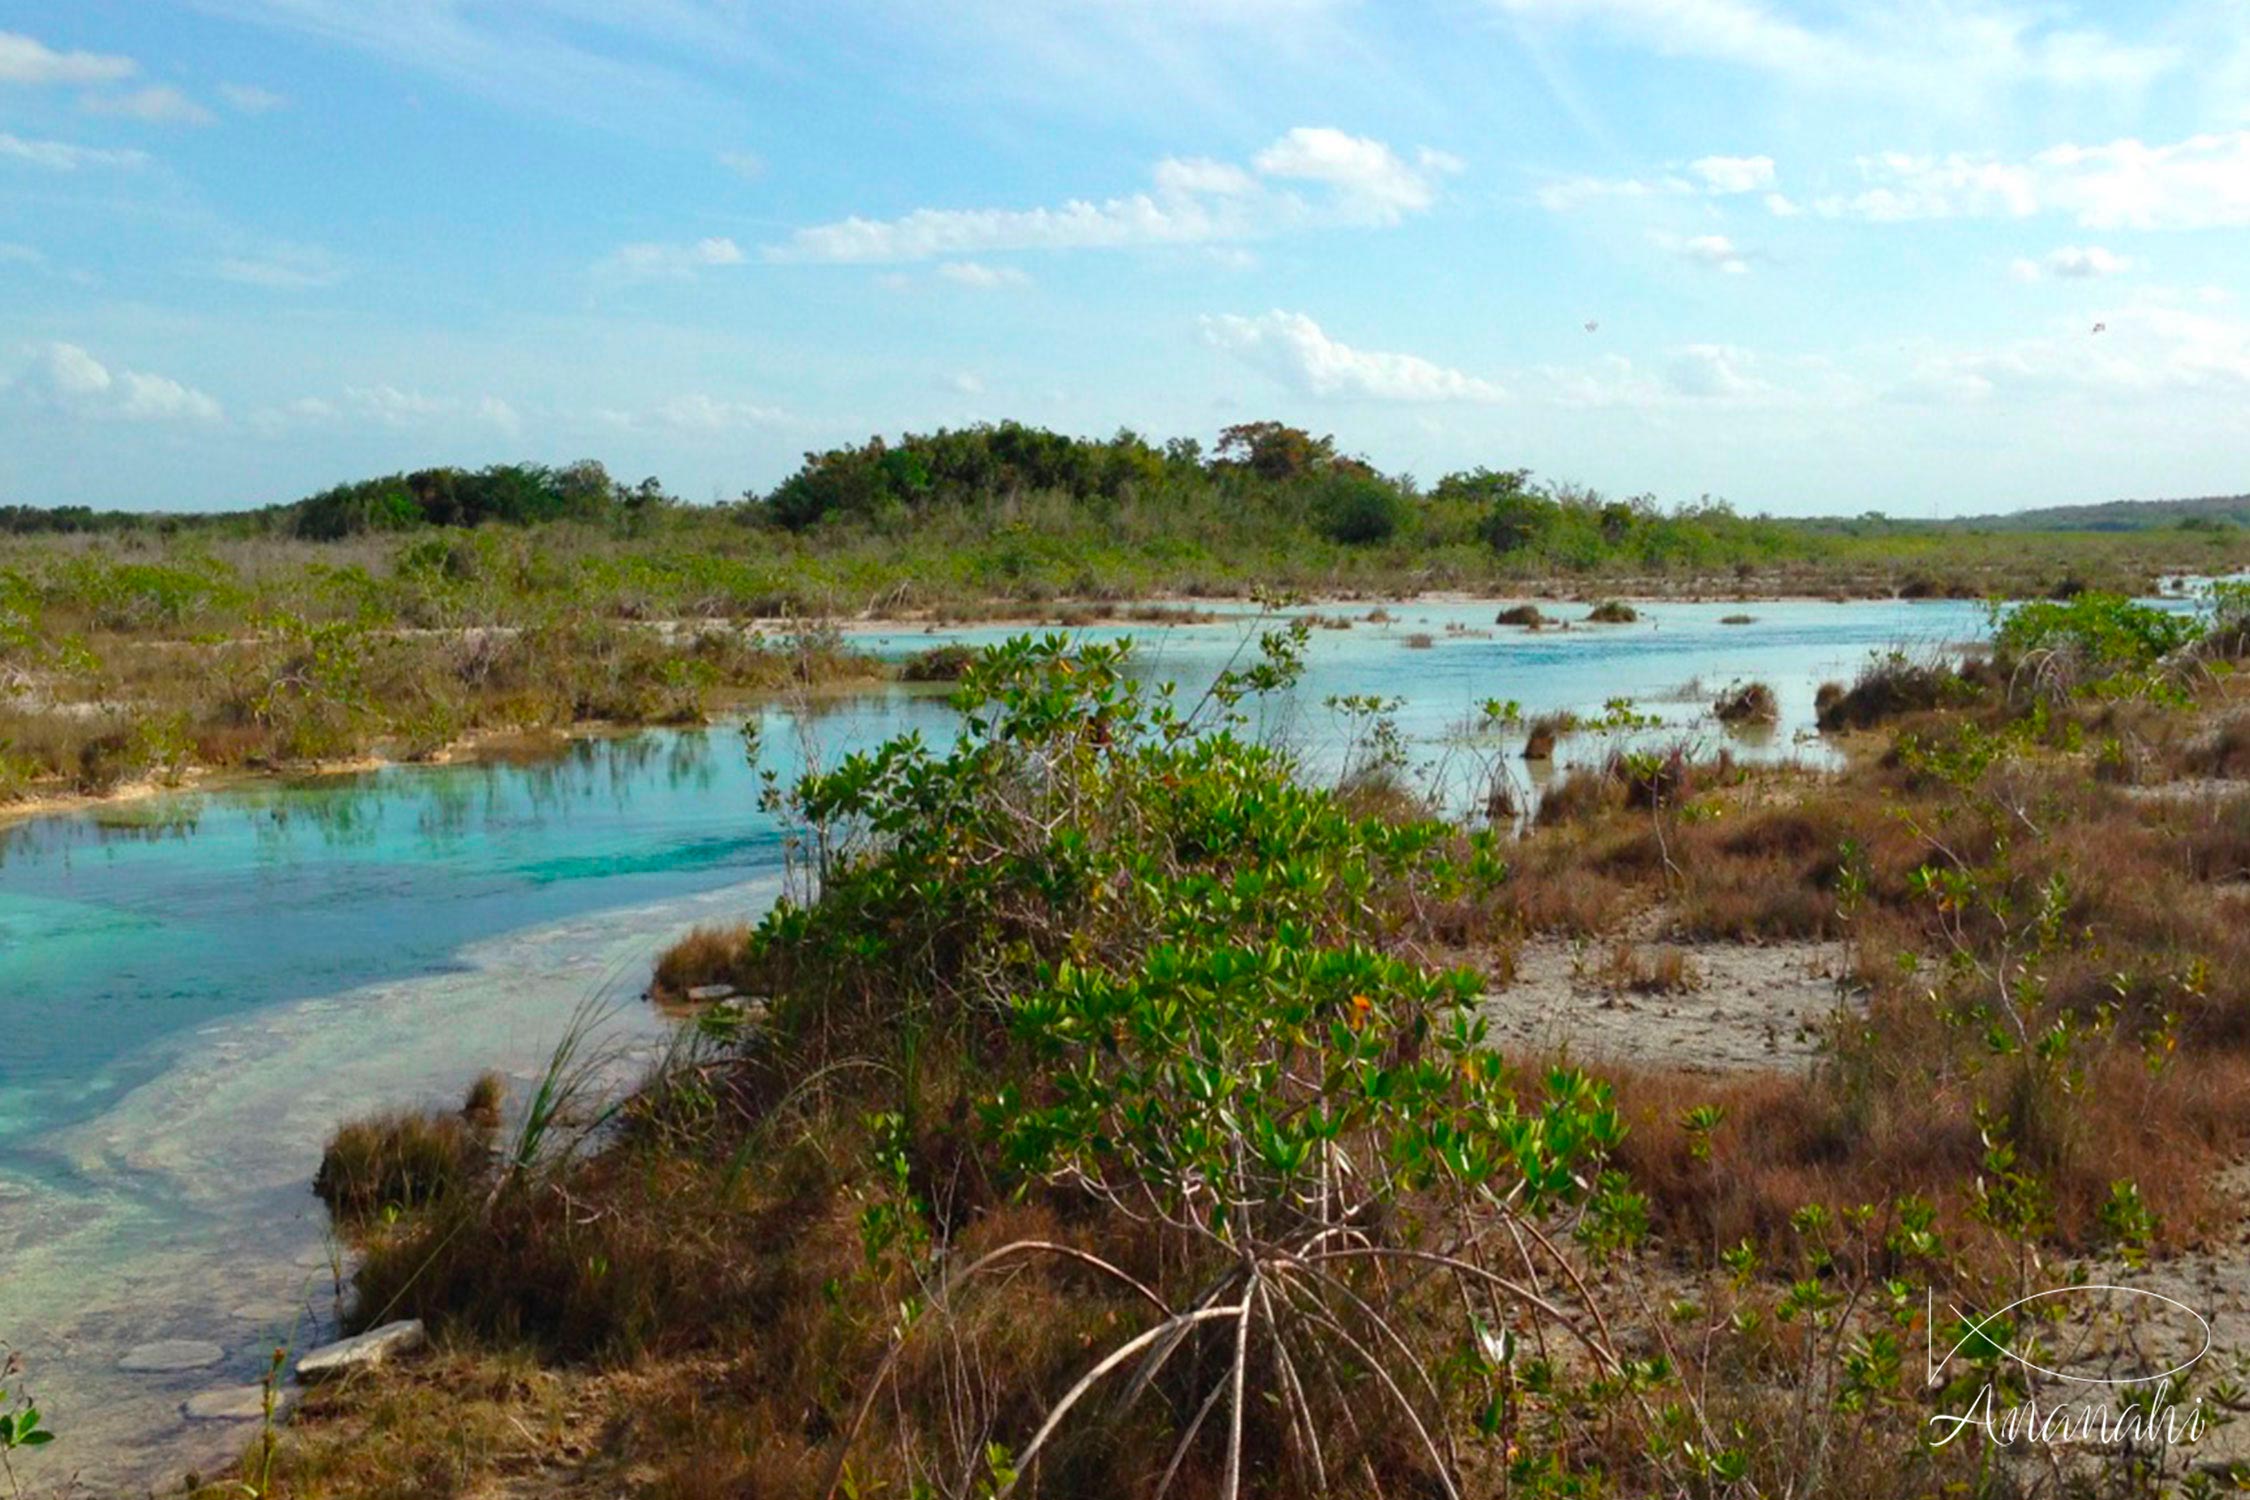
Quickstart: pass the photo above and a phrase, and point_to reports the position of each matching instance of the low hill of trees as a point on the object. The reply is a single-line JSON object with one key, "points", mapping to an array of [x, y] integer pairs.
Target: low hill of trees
{"points": [[2208, 512], [1266, 476]]}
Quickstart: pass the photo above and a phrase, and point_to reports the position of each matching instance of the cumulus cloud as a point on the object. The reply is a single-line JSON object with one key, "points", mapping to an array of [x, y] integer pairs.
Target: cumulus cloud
{"points": [[1367, 175], [1294, 349], [984, 278], [159, 104], [25, 59], [1712, 251], [1734, 174], [651, 259], [1712, 372], [2149, 350], [2073, 263], [1192, 201], [391, 406], [2202, 182], [65, 377], [62, 156], [498, 413]]}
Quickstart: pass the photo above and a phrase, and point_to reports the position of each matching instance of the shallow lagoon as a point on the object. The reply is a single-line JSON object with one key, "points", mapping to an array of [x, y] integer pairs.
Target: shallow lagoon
{"points": [[196, 988]]}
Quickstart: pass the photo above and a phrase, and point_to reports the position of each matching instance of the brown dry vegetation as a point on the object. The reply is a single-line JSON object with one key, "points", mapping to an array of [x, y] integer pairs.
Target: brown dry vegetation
{"points": [[709, 1259]]}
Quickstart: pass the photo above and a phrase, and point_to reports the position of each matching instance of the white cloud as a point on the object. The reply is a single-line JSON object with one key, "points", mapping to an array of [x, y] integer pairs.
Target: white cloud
{"points": [[1734, 174], [2202, 182], [709, 414], [652, 259], [249, 99], [500, 414], [1714, 176], [1713, 251], [1712, 372], [25, 59], [65, 377], [1698, 377], [1366, 174], [1182, 177], [1724, 30], [1573, 193], [390, 406], [393, 407], [2074, 263], [1191, 202], [976, 274], [1292, 348], [61, 156], [2153, 350], [1945, 56], [158, 104]]}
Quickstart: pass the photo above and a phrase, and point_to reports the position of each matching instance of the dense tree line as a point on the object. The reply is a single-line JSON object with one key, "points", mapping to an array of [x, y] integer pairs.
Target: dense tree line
{"points": [[504, 494], [881, 482], [501, 494]]}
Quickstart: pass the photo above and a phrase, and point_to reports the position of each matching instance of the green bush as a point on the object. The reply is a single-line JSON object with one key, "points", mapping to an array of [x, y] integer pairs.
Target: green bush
{"points": [[2106, 632], [1356, 509]]}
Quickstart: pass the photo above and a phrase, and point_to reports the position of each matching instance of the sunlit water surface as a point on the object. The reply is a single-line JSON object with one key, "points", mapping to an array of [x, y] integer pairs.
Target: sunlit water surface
{"points": [[195, 989]]}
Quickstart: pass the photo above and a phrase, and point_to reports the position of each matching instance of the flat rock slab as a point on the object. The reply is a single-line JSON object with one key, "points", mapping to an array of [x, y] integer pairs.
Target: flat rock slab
{"points": [[361, 1351], [167, 1356], [706, 994], [231, 1403]]}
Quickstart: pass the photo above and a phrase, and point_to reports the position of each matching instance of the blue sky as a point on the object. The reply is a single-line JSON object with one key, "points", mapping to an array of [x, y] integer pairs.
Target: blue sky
{"points": [[1810, 257]]}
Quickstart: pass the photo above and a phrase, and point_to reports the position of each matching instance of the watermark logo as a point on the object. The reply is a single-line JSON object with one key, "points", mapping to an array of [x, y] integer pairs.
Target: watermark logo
{"points": [[2077, 1380]]}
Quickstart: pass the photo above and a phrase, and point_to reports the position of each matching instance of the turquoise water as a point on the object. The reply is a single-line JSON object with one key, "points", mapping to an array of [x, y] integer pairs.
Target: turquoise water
{"points": [[195, 989]]}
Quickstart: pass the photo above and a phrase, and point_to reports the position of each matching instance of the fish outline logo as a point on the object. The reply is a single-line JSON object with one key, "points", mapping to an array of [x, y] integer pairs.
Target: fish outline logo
{"points": [[1976, 1328]]}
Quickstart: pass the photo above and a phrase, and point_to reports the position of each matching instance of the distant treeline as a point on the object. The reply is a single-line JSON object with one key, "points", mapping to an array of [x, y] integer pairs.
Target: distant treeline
{"points": [[503, 494], [1266, 474]]}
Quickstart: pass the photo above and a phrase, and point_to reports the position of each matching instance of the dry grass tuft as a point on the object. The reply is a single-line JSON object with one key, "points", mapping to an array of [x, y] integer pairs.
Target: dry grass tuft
{"points": [[1663, 970], [707, 955], [938, 664], [399, 1161]]}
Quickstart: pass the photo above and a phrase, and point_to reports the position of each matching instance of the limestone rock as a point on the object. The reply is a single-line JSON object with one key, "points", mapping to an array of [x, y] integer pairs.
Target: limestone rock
{"points": [[167, 1356], [361, 1351], [233, 1403]]}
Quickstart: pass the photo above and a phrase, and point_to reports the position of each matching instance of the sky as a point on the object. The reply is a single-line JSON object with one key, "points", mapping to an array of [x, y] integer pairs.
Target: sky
{"points": [[1928, 257]]}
